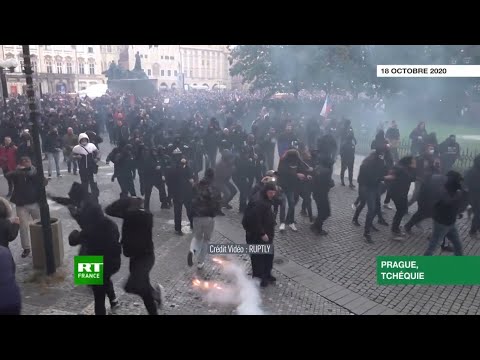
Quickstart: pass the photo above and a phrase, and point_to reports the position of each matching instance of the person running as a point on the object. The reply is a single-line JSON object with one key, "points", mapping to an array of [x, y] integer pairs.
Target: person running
{"points": [[137, 244], [206, 204]]}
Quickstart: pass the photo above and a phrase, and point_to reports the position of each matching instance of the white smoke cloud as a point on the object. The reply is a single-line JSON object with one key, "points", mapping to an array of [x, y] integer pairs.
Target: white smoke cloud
{"points": [[241, 292]]}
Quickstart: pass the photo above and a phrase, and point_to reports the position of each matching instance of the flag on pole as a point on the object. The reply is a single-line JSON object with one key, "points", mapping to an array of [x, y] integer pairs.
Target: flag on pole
{"points": [[327, 107]]}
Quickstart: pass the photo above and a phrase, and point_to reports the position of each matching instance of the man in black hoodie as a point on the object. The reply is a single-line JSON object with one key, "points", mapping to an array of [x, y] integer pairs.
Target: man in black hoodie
{"points": [[137, 244], [403, 175], [321, 186], [53, 148], [372, 173], [206, 204], [154, 173], [99, 236], [259, 224], [449, 153], [180, 188], [452, 203], [347, 155], [123, 159]]}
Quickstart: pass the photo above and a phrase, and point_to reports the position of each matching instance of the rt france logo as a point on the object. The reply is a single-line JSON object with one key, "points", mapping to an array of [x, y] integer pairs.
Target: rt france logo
{"points": [[88, 270]]}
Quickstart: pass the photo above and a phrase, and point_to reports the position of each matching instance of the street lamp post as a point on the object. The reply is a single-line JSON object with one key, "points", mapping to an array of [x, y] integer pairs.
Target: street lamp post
{"points": [[10, 65], [43, 204]]}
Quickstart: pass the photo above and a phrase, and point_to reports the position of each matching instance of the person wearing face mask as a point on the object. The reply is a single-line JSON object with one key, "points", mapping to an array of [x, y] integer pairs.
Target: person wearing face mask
{"points": [[154, 173], [393, 137], [418, 137], [122, 158], [180, 189], [70, 140], [430, 189], [334, 131], [347, 156], [452, 203], [211, 141], [53, 147], [8, 161], [286, 139], [25, 148], [403, 175], [372, 173], [425, 162], [87, 156], [449, 153]]}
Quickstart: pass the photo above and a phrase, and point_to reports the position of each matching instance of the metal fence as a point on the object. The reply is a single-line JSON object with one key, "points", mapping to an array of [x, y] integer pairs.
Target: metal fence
{"points": [[464, 162]]}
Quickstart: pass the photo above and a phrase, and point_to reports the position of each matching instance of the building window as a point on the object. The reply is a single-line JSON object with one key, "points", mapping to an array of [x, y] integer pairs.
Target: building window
{"points": [[48, 47], [141, 56], [81, 68], [109, 48], [92, 69], [59, 67], [149, 72], [175, 73], [69, 68], [172, 58], [34, 65], [162, 72], [208, 63], [146, 56], [161, 57], [203, 62], [21, 66], [191, 73], [90, 50], [49, 67], [74, 47], [169, 73]]}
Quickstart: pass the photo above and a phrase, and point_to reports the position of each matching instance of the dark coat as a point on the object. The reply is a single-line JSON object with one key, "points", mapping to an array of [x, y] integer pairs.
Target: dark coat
{"points": [[321, 186], [136, 229], [8, 232], [258, 219], [179, 185], [25, 186], [206, 200], [99, 236], [53, 142], [10, 293]]}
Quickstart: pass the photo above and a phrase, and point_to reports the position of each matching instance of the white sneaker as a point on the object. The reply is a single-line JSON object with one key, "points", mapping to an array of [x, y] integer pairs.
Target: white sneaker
{"points": [[282, 227], [200, 265], [386, 206], [293, 227], [354, 207]]}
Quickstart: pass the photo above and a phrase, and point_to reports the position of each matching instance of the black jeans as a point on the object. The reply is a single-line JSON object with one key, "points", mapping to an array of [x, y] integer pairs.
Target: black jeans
{"points": [[421, 214], [138, 282], [177, 212], [401, 204], [126, 186], [244, 185], [99, 291], [290, 196], [212, 158], [261, 264], [86, 178], [141, 179], [347, 163], [161, 192], [371, 197], [282, 206]]}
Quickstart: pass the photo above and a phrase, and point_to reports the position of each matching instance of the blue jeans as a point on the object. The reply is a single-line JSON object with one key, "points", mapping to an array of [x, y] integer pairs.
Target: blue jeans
{"points": [[439, 232], [55, 156], [290, 195]]}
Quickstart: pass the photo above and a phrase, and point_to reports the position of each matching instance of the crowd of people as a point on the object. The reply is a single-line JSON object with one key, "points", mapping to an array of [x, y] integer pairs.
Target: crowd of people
{"points": [[199, 149]]}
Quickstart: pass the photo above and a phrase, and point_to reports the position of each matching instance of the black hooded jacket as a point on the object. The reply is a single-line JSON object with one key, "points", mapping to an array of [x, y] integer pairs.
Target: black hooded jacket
{"points": [[136, 229], [206, 199], [258, 218]]}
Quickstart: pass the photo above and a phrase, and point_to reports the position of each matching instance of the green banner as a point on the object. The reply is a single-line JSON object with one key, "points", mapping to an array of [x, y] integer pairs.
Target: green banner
{"points": [[428, 270]]}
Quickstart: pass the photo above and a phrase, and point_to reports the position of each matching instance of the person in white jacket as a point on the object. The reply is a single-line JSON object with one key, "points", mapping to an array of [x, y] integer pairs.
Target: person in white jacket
{"points": [[88, 156]]}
